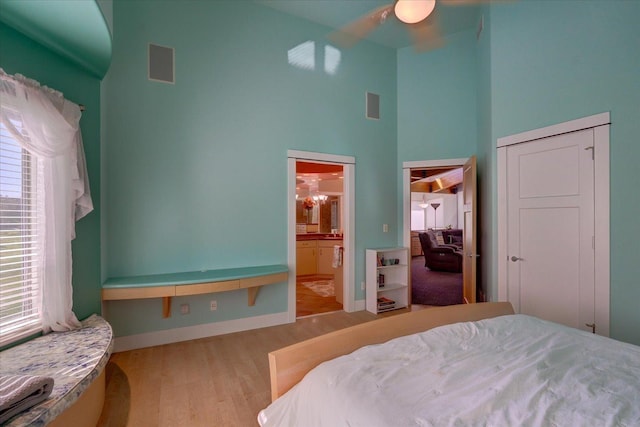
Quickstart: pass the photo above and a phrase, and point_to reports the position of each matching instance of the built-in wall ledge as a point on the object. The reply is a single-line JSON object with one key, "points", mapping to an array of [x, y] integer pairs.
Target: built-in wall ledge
{"points": [[170, 285]]}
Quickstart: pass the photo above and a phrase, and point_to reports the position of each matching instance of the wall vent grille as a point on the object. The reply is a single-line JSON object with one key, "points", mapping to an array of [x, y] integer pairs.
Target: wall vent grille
{"points": [[373, 105], [161, 64]]}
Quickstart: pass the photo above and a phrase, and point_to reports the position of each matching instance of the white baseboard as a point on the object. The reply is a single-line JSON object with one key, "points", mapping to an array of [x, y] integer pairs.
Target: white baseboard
{"points": [[168, 336], [360, 305]]}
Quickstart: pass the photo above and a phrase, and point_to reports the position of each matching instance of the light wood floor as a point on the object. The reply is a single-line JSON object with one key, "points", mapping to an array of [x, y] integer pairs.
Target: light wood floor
{"points": [[217, 381]]}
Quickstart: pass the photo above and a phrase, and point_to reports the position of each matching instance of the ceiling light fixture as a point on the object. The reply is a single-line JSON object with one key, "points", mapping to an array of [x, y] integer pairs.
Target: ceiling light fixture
{"points": [[424, 204], [412, 11]]}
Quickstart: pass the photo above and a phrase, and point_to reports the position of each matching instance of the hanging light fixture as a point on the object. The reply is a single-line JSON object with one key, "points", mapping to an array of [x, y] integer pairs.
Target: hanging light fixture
{"points": [[320, 198], [412, 11], [424, 204]]}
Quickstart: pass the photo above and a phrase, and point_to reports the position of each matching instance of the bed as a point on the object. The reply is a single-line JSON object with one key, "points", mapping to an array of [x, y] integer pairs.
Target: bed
{"points": [[477, 364]]}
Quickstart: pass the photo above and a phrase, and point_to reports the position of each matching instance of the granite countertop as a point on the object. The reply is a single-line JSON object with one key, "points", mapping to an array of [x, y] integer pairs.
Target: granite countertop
{"points": [[74, 359], [318, 236]]}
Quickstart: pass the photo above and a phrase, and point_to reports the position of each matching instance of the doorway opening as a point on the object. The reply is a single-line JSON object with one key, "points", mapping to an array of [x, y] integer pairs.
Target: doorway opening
{"points": [[436, 235], [319, 218], [321, 233], [439, 205]]}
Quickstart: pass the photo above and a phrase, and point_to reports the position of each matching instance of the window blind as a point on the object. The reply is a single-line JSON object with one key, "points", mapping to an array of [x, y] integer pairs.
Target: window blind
{"points": [[19, 229]]}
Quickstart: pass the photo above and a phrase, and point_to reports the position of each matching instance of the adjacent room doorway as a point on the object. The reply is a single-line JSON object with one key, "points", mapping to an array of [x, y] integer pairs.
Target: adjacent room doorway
{"points": [[446, 192], [319, 201], [347, 218]]}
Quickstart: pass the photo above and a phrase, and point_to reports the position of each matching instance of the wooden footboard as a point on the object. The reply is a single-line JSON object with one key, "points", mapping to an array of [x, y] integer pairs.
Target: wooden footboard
{"points": [[289, 365]]}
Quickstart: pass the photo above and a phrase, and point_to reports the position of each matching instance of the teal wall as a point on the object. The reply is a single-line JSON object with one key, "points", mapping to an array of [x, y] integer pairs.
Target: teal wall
{"points": [[196, 172], [536, 64], [437, 101], [19, 54], [75, 30], [486, 196], [556, 61], [437, 104]]}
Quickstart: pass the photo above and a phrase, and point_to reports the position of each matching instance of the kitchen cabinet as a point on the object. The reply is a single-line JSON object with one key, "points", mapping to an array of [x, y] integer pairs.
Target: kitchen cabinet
{"points": [[306, 257], [325, 255]]}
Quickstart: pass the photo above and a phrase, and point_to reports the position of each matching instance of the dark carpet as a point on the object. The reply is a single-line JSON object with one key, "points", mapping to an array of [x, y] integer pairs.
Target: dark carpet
{"points": [[434, 287]]}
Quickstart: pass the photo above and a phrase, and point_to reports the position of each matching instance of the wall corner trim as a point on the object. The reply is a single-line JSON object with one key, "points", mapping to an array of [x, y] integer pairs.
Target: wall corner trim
{"points": [[557, 129]]}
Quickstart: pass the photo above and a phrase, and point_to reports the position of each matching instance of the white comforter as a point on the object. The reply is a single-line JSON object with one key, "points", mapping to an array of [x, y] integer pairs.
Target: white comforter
{"points": [[508, 371]]}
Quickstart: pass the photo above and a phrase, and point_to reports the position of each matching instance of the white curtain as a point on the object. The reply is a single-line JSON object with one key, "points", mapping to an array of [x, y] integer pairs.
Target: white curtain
{"points": [[53, 137]]}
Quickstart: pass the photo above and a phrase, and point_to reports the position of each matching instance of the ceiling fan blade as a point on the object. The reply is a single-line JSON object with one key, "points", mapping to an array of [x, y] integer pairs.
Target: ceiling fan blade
{"points": [[472, 2], [426, 35], [355, 31], [463, 2]]}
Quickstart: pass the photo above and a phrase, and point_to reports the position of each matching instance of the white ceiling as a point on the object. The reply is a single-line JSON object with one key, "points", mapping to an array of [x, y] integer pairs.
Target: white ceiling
{"points": [[452, 18], [310, 183], [314, 178]]}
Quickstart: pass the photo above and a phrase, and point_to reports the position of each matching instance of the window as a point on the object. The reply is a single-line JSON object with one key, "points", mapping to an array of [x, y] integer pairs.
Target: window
{"points": [[19, 234], [44, 191]]}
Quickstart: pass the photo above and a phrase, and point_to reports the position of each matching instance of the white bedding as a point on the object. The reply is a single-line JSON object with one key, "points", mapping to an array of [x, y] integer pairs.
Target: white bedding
{"points": [[508, 371]]}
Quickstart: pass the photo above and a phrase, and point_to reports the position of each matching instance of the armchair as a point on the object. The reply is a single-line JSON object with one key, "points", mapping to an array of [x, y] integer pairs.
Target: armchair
{"points": [[440, 257], [453, 237]]}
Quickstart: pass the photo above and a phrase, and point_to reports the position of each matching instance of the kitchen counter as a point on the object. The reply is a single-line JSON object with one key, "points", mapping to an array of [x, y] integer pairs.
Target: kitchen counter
{"points": [[318, 236]]}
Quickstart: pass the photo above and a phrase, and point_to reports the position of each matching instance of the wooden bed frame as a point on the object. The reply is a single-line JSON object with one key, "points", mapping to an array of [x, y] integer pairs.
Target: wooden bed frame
{"points": [[289, 365]]}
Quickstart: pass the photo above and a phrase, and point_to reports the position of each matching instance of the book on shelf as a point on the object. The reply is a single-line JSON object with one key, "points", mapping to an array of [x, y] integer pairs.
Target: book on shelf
{"points": [[384, 302]]}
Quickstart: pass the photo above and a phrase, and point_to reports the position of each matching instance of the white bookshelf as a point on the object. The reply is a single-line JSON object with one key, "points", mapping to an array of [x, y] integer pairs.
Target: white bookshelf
{"points": [[384, 280]]}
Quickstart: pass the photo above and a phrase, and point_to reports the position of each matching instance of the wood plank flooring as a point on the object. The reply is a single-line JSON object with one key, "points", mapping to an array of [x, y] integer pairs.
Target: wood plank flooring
{"points": [[216, 381]]}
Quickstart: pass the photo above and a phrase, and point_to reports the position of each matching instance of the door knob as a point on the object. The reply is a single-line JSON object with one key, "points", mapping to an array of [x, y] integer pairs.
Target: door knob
{"points": [[515, 258]]}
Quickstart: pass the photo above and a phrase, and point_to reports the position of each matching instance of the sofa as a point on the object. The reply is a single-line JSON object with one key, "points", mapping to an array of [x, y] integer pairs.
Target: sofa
{"points": [[440, 256]]}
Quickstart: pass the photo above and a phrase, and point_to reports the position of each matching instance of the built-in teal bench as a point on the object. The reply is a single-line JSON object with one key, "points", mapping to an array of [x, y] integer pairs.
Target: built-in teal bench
{"points": [[170, 285]]}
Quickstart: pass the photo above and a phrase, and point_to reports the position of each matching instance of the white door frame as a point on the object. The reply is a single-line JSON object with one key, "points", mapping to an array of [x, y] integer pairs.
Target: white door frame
{"points": [[406, 188], [601, 123], [348, 241]]}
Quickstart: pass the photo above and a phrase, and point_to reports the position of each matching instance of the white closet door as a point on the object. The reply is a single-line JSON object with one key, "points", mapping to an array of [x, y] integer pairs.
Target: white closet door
{"points": [[550, 215]]}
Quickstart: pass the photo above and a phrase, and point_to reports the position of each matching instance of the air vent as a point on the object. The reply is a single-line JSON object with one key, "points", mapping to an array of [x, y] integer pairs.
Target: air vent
{"points": [[161, 64], [373, 106]]}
